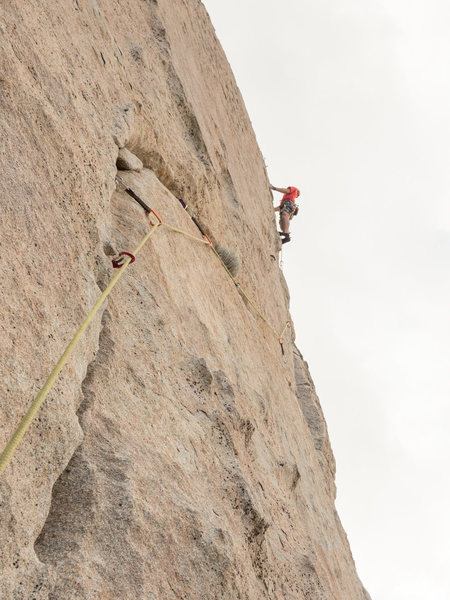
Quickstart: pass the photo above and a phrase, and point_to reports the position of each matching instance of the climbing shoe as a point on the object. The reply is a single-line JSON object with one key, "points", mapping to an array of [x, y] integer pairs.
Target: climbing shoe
{"points": [[286, 237]]}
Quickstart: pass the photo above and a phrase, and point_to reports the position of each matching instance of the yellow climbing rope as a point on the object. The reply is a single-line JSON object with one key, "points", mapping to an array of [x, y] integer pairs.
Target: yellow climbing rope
{"points": [[27, 419], [123, 264], [203, 240], [252, 304], [280, 337]]}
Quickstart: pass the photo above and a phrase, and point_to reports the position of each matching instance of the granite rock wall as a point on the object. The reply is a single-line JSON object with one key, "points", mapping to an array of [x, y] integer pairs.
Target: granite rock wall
{"points": [[179, 454]]}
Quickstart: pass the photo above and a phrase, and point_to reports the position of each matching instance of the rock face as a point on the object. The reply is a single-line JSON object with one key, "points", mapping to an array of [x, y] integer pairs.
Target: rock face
{"points": [[180, 454], [127, 161]]}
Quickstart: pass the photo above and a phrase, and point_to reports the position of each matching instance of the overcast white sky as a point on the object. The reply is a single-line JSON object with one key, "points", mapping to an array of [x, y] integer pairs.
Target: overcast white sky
{"points": [[350, 101]]}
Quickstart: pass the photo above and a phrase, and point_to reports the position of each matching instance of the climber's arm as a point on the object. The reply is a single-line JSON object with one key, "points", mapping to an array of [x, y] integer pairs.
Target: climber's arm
{"points": [[281, 190]]}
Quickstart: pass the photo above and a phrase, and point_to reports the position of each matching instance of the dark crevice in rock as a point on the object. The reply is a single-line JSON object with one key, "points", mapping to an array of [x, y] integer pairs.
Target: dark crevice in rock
{"points": [[175, 177], [192, 130], [93, 488], [229, 191], [220, 424], [72, 506], [105, 347], [188, 119], [254, 523], [312, 411], [72, 495]]}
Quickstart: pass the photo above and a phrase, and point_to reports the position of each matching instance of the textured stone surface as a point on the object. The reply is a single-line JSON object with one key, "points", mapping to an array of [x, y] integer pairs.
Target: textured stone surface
{"points": [[179, 455], [128, 161]]}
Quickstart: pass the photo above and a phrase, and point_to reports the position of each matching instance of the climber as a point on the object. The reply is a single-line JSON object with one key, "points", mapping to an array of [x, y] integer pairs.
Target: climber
{"points": [[287, 209]]}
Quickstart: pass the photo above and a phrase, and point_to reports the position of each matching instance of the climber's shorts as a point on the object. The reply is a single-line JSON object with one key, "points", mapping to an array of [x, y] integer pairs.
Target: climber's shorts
{"points": [[289, 207]]}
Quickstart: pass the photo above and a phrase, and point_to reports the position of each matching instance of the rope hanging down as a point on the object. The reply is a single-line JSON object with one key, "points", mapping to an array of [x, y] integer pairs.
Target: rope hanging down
{"points": [[125, 259], [27, 419]]}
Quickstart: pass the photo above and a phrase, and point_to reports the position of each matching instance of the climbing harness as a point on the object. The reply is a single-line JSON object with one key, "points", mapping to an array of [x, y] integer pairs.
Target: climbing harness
{"points": [[290, 207], [120, 263]]}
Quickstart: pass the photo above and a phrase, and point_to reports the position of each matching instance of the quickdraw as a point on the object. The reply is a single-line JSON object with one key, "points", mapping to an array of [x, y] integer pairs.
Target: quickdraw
{"points": [[119, 262]]}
